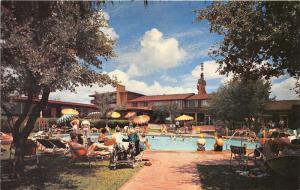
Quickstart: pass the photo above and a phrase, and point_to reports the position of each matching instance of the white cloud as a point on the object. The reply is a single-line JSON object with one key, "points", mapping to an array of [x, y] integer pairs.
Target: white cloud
{"points": [[210, 70], [156, 53], [109, 32], [210, 73], [168, 78], [148, 89], [284, 90], [83, 92], [190, 33]]}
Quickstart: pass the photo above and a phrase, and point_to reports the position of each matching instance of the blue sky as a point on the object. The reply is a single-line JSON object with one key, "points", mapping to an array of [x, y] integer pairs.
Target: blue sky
{"points": [[159, 48]]}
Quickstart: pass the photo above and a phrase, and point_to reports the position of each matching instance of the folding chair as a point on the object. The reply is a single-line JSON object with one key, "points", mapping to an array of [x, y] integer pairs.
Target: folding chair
{"points": [[238, 153], [81, 153]]}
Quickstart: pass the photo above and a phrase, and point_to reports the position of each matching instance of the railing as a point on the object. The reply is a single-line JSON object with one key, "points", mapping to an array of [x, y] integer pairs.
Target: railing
{"points": [[227, 142]]}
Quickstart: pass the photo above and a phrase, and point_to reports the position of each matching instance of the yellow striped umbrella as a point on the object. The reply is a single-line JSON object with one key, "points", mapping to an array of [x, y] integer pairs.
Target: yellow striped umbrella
{"points": [[141, 119], [69, 112], [113, 115], [184, 118]]}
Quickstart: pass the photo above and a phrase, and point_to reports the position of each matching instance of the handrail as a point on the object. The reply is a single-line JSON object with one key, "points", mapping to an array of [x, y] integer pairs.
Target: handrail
{"points": [[231, 138]]}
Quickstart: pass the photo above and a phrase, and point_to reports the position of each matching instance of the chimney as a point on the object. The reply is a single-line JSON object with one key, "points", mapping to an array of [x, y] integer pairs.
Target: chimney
{"points": [[120, 88]]}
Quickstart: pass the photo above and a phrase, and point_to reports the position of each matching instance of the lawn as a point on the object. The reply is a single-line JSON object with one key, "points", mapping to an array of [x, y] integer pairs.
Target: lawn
{"points": [[59, 173], [216, 177]]}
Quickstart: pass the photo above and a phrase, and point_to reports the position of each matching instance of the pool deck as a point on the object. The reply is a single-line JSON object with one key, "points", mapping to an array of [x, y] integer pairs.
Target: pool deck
{"points": [[174, 170]]}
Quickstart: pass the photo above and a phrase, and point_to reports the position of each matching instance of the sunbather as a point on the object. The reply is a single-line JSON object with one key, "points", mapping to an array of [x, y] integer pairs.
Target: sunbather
{"points": [[79, 149]]}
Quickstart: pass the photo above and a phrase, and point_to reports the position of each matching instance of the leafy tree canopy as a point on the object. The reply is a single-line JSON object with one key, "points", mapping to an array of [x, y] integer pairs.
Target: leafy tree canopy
{"points": [[239, 99], [261, 39], [49, 46]]}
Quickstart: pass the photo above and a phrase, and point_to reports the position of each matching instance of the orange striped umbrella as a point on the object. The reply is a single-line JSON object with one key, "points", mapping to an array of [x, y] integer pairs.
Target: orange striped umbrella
{"points": [[130, 115], [141, 119]]}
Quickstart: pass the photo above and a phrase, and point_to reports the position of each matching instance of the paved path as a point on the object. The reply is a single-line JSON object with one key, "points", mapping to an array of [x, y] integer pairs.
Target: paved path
{"points": [[173, 170]]}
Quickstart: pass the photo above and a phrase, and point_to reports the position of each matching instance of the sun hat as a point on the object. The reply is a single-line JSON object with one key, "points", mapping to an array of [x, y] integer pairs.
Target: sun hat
{"points": [[85, 122]]}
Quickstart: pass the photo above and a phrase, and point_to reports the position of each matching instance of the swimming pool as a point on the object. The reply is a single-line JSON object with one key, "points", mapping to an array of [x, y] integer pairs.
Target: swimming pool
{"points": [[190, 143], [179, 143]]}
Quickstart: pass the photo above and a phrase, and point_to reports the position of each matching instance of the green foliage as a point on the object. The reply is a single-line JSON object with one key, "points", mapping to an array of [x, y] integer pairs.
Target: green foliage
{"points": [[47, 46], [100, 123], [50, 46], [103, 101], [239, 99], [261, 39], [164, 111]]}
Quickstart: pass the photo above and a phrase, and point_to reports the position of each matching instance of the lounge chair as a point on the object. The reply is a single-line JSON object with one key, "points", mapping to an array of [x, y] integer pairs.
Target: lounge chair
{"points": [[82, 154], [238, 153], [58, 144], [47, 146]]}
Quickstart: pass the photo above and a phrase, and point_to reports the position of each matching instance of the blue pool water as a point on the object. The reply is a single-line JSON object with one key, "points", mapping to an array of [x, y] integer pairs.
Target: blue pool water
{"points": [[190, 143], [180, 143]]}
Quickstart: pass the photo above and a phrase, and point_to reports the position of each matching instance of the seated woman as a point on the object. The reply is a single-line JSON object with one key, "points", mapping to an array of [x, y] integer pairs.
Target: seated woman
{"points": [[102, 137], [201, 143], [78, 149], [218, 146]]}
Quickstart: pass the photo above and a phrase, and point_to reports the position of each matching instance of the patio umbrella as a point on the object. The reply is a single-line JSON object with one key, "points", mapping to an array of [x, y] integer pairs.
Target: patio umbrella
{"points": [[130, 115], [141, 119], [184, 118], [113, 115], [65, 118], [5, 138], [69, 112], [94, 115]]}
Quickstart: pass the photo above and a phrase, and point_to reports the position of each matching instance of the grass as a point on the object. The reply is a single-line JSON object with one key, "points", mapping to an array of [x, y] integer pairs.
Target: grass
{"points": [[222, 177], [59, 173]]}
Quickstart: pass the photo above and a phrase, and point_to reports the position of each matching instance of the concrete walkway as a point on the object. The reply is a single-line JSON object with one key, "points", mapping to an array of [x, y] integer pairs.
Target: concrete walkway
{"points": [[173, 170]]}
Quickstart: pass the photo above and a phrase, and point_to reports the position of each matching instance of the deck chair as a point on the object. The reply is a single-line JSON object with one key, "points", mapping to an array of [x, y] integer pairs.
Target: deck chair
{"points": [[257, 154], [238, 153], [82, 154]]}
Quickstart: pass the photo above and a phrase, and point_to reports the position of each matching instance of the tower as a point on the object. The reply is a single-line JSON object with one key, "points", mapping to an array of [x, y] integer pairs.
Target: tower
{"points": [[201, 82]]}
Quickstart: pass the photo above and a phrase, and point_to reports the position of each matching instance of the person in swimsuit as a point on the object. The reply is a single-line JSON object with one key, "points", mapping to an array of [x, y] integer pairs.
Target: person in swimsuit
{"points": [[218, 146]]}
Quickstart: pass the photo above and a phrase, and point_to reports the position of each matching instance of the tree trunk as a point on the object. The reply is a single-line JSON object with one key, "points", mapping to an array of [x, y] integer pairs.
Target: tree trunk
{"points": [[20, 134], [19, 157]]}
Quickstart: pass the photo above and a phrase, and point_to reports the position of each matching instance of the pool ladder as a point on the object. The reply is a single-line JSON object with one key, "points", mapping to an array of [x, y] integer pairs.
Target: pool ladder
{"points": [[227, 142]]}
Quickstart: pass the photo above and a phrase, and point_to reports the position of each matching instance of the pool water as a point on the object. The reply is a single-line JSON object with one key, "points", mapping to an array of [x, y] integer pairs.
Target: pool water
{"points": [[190, 143], [179, 143]]}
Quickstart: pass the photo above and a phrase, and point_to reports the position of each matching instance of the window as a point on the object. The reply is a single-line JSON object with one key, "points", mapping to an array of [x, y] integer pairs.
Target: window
{"points": [[192, 103], [134, 104], [204, 103], [145, 104], [157, 103]]}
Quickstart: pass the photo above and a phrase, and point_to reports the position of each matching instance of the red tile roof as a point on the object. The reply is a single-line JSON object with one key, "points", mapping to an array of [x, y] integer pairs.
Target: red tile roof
{"points": [[281, 105], [200, 96], [138, 108], [60, 102], [114, 92], [162, 97]]}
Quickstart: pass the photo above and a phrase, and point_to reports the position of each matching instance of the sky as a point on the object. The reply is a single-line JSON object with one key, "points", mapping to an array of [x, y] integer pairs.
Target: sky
{"points": [[159, 49]]}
